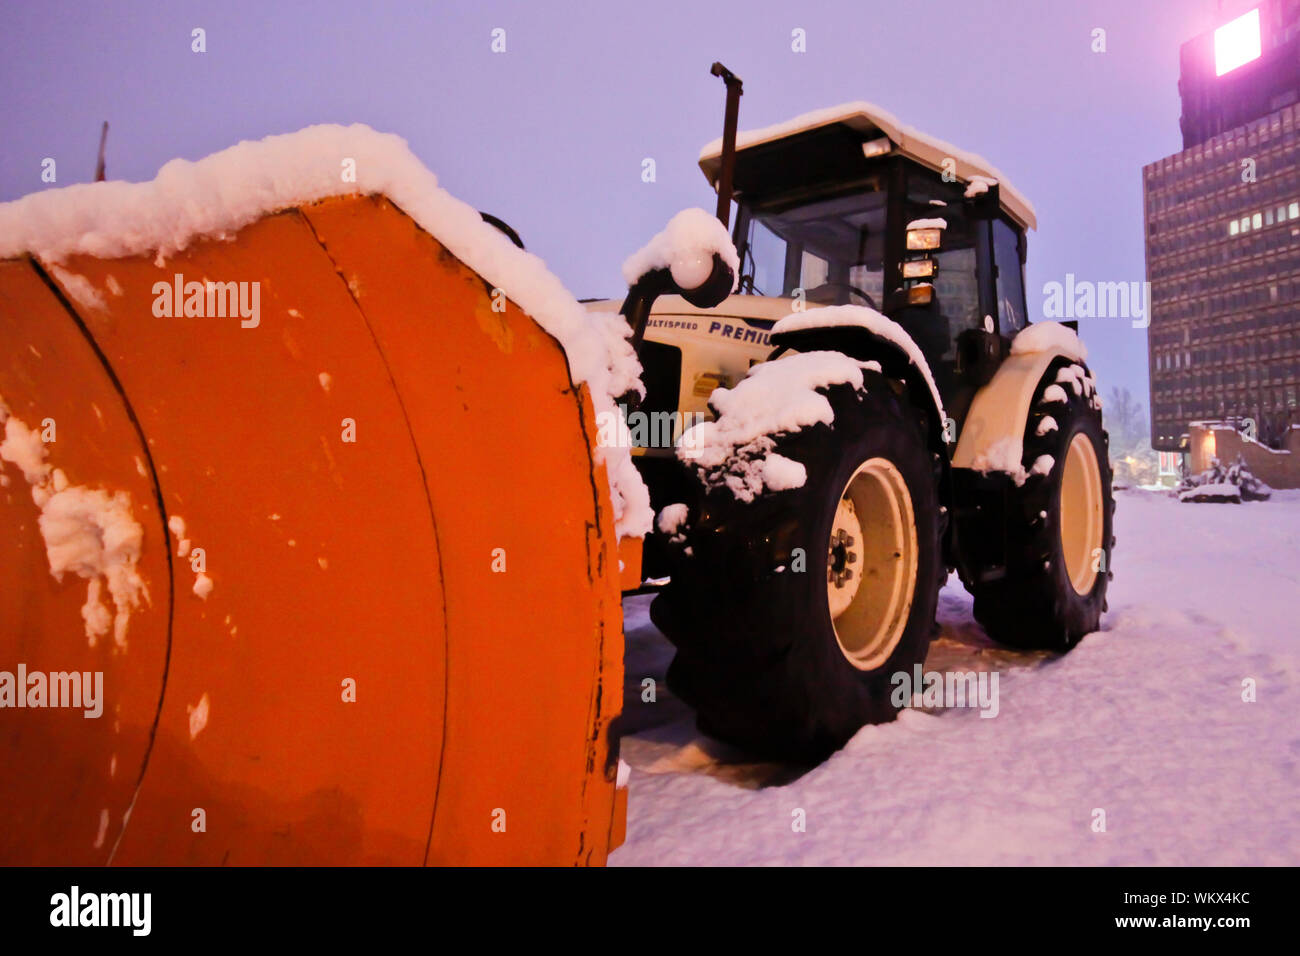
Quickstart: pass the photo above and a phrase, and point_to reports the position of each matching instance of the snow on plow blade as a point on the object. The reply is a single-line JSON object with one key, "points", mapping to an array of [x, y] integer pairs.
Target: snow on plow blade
{"points": [[385, 626]]}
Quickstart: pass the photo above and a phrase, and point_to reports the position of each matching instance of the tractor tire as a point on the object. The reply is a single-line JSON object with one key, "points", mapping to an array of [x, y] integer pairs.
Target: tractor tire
{"points": [[758, 654], [1059, 525]]}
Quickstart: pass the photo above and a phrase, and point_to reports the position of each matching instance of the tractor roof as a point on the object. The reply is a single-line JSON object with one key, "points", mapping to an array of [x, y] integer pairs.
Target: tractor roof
{"points": [[864, 122]]}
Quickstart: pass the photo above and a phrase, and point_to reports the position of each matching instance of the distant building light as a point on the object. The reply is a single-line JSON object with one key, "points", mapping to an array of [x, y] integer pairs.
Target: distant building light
{"points": [[1256, 221], [1234, 227], [1236, 43]]}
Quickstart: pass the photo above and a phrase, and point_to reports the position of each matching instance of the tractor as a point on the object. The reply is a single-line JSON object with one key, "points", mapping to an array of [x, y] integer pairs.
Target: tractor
{"points": [[798, 561]]}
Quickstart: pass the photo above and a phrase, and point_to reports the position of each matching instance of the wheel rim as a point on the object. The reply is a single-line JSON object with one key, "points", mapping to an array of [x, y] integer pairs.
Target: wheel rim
{"points": [[871, 564], [1081, 513]]}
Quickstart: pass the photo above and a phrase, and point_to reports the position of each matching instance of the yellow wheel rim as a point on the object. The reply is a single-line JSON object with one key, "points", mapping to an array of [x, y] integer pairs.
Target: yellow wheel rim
{"points": [[872, 562], [1081, 514]]}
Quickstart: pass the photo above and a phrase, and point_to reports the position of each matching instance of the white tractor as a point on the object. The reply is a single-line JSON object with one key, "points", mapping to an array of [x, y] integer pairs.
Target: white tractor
{"points": [[881, 413]]}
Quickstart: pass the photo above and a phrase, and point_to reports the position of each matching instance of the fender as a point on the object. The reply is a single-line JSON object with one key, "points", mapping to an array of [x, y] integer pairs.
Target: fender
{"points": [[861, 343], [1001, 408]]}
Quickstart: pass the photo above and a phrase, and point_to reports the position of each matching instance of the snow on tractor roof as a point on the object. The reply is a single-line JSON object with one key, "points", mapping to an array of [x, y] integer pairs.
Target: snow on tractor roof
{"points": [[220, 194], [867, 117]]}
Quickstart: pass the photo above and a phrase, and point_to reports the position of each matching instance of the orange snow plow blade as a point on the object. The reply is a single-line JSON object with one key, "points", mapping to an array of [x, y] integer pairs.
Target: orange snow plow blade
{"points": [[385, 627]]}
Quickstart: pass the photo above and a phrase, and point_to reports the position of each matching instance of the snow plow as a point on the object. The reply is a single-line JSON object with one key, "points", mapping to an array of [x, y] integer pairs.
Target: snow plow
{"points": [[878, 412], [270, 594]]}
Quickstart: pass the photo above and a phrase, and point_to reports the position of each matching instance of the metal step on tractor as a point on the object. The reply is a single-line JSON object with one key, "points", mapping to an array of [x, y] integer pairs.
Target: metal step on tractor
{"points": [[883, 414]]}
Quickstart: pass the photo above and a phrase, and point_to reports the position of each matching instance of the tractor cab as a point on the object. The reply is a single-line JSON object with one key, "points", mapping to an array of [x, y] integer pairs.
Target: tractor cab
{"points": [[848, 207]]}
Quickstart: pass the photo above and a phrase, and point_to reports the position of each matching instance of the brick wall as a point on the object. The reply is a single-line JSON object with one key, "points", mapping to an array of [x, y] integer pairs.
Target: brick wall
{"points": [[1279, 469]]}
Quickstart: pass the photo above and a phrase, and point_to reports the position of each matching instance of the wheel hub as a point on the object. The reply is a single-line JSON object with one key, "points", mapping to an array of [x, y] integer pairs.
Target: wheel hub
{"points": [[841, 561]]}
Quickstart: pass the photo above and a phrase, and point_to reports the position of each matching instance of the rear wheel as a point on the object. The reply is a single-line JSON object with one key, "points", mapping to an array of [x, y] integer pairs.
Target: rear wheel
{"points": [[792, 612], [1058, 524]]}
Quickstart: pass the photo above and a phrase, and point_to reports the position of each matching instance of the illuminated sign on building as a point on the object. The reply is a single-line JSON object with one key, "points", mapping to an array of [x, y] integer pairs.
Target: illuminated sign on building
{"points": [[1236, 43]]}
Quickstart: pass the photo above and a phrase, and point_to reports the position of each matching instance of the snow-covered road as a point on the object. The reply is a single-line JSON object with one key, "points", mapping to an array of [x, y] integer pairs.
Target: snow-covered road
{"points": [[1144, 720]]}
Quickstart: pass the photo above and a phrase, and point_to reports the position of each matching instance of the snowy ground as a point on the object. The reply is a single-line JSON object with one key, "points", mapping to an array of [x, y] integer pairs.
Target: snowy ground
{"points": [[1144, 719]]}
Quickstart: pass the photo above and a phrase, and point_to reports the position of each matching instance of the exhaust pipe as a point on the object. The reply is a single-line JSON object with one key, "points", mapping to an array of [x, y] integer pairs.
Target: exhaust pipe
{"points": [[735, 89]]}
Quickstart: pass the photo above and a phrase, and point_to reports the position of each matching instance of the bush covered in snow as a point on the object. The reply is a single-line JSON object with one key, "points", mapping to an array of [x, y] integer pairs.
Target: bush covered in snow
{"points": [[1234, 484]]}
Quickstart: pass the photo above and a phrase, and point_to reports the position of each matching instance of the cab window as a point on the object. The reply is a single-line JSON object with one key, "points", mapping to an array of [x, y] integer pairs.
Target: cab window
{"points": [[832, 249], [1007, 248]]}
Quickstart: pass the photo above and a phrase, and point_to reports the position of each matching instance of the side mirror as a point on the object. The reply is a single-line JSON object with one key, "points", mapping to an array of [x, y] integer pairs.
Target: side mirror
{"points": [[641, 297], [713, 290]]}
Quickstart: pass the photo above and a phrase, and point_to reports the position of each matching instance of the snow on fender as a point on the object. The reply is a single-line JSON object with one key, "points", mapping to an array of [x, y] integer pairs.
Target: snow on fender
{"points": [[778, 397], [1049, 337], [875, 323]]}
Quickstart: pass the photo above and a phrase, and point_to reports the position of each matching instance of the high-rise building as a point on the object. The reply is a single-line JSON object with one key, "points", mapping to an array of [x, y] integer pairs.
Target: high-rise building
{"points": [[1222, 222]]}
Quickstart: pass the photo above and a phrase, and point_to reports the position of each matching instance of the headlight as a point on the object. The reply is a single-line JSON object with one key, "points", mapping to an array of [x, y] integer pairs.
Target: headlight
{"points": [[923, 239], [920, 294]]}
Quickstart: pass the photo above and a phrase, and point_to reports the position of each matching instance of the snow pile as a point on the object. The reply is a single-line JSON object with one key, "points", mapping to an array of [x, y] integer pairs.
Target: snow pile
{"points": [[1049, 337], [872, 321], [978, 186], [927, 224], [202, 583], [1054, 395], [671, 518], [1006, 455], [1235, 484], [775, 398], [219, 195], [1222, 491], [671, 522], [686, 248], [1043, 465], [22, 446], [1081, 383], [81, 289], [87, 532]]}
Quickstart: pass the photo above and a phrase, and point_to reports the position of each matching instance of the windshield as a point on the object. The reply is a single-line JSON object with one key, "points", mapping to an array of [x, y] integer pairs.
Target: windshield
{"points": [[832, 249]]}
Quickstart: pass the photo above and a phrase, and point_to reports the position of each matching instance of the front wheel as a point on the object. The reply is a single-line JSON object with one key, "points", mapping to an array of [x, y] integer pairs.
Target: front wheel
{"points": [[791, 613], [1058, 524]]}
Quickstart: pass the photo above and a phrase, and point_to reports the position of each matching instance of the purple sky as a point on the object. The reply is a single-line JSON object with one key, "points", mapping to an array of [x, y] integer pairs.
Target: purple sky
{"points": [[551, 134]]}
